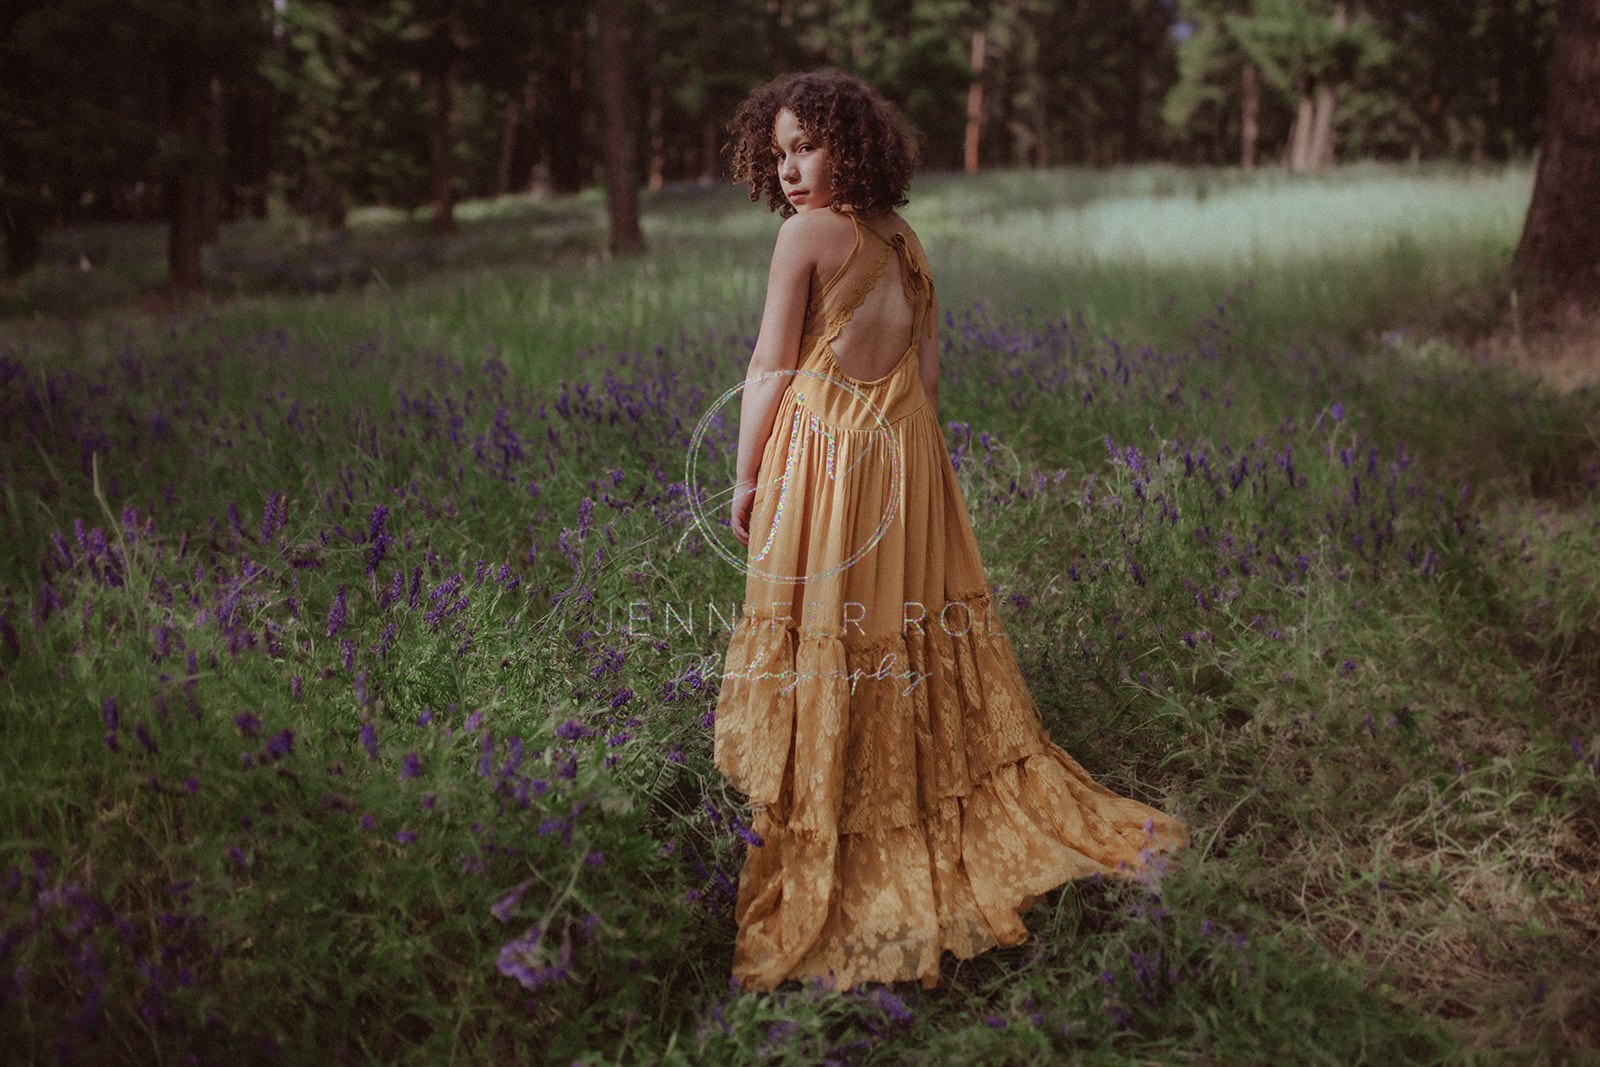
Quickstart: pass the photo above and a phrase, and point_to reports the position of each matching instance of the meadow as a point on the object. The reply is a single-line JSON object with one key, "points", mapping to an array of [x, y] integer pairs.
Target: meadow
{"points": [[358, 646]]}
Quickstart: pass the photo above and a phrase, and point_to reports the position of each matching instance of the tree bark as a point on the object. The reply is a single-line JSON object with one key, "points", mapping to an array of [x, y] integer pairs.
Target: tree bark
{"points": [[1300, 134], [1040, 116], [562, 128], [24, 238], [975, 104], [216, 146], [1319, 154], [1558, 259], [1327, 103], [1133, 88], [658, 138], [439, 144], [622, 189], [1249, 115], [510, 122], [710, 138], [189, 89]]}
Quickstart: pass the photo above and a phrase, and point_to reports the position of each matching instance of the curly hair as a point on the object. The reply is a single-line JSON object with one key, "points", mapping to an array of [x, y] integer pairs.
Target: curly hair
{"points": [[872, 149]]}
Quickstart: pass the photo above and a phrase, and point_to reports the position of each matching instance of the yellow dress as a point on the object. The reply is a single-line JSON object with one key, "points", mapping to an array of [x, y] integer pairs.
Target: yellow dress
{"points": [[906, 795]]}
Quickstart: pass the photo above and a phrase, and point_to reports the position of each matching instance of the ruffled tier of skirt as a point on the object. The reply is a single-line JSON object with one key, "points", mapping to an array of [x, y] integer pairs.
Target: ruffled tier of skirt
{"points": [[907, 798]]}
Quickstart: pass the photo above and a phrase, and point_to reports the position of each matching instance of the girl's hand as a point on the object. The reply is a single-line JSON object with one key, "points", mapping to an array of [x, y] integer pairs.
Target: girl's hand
{"points": [[744, 497]]}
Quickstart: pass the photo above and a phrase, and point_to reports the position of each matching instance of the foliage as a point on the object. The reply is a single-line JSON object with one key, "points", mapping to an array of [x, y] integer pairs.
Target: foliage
{"points": [[341, 681], [81, 101], [346, 118]]}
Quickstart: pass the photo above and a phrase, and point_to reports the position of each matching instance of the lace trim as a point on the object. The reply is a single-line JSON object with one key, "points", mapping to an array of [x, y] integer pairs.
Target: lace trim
{"points": [[916, 281], [883, 904], [841, 318]]}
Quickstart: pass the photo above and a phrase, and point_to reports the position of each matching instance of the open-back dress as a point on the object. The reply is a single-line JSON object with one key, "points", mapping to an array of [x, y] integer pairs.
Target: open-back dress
{"points": [[907, 798]]}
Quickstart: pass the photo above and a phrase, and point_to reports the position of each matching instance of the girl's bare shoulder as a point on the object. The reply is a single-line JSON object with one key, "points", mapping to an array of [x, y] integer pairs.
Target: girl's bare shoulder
{"points": [[822, 239], [819, 228]]}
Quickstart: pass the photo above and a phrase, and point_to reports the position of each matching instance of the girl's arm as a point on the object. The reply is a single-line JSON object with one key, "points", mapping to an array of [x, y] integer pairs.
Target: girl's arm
{"points": [[777, 349]]}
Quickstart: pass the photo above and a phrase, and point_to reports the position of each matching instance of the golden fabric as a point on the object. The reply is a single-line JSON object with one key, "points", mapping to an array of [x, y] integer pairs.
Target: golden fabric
{"points": [[907, 796]]}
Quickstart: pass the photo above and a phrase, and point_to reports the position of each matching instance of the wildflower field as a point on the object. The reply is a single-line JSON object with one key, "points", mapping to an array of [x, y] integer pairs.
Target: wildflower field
{"points": [[358, 646]]}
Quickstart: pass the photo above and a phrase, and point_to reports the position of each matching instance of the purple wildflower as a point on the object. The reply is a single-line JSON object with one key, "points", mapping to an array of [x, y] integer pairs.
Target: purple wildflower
{"points": [[517, 960], [378, 536], [281, 745], [744, 832], [385, 642], [892, 1007], [502, 908], [336, 614], [572, 730], [369, 740], [410, 767]]}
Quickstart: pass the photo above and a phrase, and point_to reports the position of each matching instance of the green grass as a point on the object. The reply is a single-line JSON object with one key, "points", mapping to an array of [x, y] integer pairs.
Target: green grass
{"points": [[1270, 556]]}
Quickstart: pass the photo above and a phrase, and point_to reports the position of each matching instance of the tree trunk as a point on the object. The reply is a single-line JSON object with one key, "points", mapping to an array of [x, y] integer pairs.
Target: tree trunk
{"points": [[1300, 135], [439, 144], [250, 157], [216, 146], [1327, 103], [1319, 154], [190, 100], [1133, 90], [24, 239], [658, 138], [510, 122], [525, 160], [975, 104], [622, 189], [562, 127], [1558, 258], [1249, 115], [710, 138], [1040, 115]]}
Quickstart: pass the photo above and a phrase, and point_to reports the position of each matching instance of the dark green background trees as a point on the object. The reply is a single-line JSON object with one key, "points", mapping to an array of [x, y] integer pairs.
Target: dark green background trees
{"points": [[195, 110]]}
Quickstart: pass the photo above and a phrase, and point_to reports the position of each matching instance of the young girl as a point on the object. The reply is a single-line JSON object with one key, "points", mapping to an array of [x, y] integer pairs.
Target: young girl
{"points": [[906, 796]]}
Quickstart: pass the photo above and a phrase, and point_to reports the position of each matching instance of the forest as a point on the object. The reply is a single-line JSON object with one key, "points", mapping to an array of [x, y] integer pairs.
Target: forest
{"points": [[197, 111]]}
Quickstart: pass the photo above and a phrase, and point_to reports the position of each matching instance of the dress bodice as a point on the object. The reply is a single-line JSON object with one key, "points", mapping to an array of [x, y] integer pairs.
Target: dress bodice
{"points": [[822, 384]]}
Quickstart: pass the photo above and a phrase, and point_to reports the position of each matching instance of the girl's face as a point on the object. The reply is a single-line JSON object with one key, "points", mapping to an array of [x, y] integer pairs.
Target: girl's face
{"points": [[803, 164]]}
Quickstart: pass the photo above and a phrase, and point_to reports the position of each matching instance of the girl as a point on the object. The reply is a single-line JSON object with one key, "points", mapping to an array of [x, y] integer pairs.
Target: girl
{"points": [[905, 794]]}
